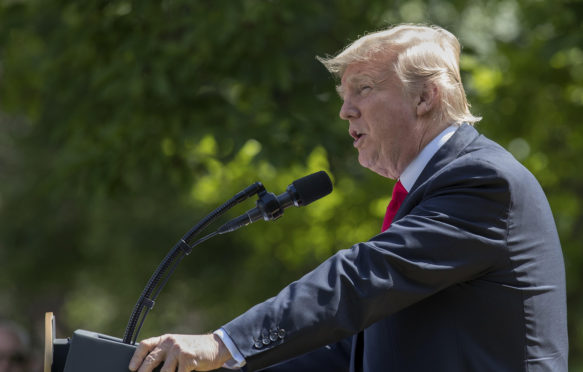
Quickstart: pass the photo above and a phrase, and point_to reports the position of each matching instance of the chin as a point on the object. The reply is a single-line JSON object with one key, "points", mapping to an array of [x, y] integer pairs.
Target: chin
{"points": [[378, 170], [371, 168], [367, 162]]}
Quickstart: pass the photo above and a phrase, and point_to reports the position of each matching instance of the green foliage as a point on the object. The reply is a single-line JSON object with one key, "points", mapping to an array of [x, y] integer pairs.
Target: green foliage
{"points": [[123, 123]]}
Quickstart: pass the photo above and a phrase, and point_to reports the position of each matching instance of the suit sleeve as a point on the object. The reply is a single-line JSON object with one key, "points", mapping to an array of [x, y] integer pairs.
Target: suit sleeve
{"points": [[452, 229], [330, 358]]}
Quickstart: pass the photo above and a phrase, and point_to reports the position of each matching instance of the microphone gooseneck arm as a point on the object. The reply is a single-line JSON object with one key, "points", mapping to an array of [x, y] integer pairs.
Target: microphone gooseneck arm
{"points": [[301, 192], [165, 269]]}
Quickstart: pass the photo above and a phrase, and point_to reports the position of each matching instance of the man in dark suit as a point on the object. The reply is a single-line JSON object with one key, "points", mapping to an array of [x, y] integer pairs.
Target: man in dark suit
{"points": [[467, 274]]}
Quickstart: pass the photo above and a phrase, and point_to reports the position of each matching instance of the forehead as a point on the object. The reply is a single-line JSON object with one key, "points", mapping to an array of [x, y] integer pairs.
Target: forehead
{"points": [[359, 71], [369, 72]]}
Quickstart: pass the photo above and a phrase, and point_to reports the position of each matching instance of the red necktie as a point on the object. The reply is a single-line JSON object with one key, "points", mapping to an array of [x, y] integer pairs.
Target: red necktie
{"points": [[399, 194]]}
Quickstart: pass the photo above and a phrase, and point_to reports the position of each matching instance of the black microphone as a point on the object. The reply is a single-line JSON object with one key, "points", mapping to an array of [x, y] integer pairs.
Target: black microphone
{"points": [[269, 207]]}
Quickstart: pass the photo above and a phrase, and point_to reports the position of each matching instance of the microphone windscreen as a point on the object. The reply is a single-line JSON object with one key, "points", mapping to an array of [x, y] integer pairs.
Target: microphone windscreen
{"points": [[312, 187]]}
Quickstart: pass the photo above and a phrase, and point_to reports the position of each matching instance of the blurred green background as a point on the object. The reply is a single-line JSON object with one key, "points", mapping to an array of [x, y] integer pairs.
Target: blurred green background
{"points": [[123, 123]]}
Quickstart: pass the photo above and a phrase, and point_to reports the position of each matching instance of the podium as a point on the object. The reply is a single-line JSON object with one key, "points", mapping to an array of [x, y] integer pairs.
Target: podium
{"points": [[88, 351], [85, 351]]}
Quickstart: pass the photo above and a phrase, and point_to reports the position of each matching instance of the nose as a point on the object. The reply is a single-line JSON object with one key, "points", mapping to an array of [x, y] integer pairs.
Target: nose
{"points": [[348, 110]]}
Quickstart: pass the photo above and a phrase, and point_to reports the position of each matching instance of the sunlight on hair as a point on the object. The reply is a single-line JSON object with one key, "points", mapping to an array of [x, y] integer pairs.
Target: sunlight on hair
{"points": [[417, 54]]}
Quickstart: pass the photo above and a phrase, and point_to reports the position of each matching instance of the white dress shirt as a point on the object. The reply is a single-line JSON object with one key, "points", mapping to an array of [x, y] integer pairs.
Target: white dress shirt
{"points": [[414, 169]]}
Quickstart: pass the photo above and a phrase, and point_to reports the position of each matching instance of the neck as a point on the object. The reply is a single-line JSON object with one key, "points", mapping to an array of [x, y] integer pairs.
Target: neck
{"points": [[429, 129]]}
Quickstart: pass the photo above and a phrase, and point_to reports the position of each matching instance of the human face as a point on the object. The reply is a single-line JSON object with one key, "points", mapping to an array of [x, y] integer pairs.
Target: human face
{"points": [[383, 119], [12, 356]]}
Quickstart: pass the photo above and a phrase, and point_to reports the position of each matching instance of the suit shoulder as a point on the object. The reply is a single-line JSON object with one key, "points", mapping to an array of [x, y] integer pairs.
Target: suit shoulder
{"points": [[488, 157]]}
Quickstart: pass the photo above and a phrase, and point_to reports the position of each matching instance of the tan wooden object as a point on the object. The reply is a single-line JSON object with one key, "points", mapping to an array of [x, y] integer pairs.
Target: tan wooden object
{"points": [[49, 337]]}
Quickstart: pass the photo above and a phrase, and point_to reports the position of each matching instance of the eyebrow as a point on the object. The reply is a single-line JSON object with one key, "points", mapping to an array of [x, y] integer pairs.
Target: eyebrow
{"points": [[355, 80], [358, 79]]}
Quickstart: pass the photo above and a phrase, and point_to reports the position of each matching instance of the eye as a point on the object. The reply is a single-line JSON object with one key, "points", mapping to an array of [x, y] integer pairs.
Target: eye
{"points": [[365, 89]]}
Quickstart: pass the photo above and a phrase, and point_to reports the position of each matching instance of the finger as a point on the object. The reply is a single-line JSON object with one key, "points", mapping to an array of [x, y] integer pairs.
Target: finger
{"points": [[141, 351], [170, 365], [171, 362], [189, 366], [153, 359]]}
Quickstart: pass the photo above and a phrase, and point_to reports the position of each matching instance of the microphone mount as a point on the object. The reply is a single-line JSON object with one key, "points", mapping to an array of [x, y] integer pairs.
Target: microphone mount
{"points": [[269, 206], [301, 192], [165, 269]]}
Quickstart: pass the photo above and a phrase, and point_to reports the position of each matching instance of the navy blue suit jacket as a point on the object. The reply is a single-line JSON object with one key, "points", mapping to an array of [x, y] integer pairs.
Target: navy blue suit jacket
{"points": [[469, 277]]}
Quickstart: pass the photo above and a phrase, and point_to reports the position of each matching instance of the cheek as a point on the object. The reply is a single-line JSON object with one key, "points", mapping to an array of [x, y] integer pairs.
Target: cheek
{"points": [[379, 116]]}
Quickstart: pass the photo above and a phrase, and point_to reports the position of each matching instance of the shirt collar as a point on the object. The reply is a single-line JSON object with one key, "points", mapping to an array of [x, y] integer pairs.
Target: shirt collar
{"points": [[414, 169]]}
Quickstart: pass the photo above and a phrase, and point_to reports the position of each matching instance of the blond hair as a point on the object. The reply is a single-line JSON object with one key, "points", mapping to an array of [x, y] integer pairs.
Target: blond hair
{"points": [[422, 54]]}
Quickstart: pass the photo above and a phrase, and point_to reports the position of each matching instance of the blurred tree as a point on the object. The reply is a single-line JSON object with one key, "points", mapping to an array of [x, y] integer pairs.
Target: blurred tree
{"points": [[124, 122]]}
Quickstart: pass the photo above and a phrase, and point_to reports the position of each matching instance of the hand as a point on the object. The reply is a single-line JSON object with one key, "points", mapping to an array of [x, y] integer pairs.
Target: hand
{"points": [[180, 353]]}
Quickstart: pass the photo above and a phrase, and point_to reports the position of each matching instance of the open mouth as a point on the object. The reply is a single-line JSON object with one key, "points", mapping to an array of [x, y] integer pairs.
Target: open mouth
{"points": [[356, 135]]}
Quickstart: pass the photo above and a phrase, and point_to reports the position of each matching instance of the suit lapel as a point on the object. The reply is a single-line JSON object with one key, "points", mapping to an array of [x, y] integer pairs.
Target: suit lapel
{"points": [[463, 137]]}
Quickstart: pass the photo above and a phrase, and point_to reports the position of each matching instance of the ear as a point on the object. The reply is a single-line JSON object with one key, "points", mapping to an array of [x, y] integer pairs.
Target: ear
{"points": [[427, 99]]}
